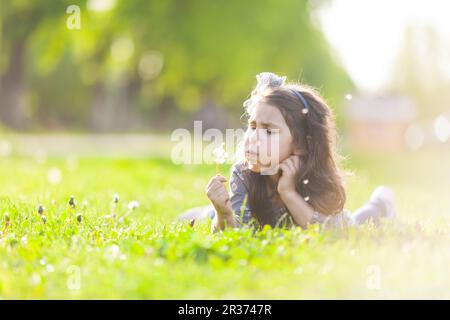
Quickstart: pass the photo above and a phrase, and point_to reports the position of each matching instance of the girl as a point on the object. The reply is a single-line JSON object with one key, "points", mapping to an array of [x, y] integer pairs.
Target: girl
{"points": [[287, 171]]}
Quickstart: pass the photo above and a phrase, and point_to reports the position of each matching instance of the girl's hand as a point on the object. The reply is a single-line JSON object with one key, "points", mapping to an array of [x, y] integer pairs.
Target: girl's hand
{"points": [[289, 169], [218, 195]]}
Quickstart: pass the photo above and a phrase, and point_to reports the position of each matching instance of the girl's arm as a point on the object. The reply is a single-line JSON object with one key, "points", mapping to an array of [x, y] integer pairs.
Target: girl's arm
{"points": [[236, 211], [223, 220], [300, 210], [219, 197]]}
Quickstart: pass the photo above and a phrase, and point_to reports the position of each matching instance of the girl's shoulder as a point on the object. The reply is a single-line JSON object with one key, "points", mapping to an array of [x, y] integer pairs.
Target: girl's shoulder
{"points": [[237, 170], [237, 180]]}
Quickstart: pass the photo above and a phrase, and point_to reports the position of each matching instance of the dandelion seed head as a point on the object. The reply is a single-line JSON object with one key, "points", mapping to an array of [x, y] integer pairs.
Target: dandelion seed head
{"points": [[220, 155]]}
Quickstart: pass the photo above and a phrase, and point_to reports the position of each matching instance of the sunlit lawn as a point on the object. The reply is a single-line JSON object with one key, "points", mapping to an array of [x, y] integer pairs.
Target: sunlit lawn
{"points": [[145, 255]]}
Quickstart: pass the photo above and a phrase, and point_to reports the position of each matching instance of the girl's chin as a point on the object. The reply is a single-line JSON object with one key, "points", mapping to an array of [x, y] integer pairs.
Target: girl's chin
{"points": [[258, 168], [255, 168]]}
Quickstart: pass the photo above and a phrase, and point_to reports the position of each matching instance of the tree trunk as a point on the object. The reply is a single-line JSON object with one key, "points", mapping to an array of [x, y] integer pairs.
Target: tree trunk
{"points": [[114, 106], [12, 88], [99, 109]]}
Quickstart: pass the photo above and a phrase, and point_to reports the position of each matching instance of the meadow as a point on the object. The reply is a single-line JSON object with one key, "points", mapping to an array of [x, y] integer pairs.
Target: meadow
{"points": [[119, 238]]}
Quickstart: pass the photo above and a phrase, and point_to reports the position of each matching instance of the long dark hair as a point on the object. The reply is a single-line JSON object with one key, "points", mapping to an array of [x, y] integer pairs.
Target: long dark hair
{"points": [[320, 179]]}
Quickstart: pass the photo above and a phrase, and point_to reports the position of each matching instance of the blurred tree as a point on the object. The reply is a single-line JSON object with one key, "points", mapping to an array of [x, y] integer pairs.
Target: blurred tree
{"points": [[18, 19], [133, 63]]}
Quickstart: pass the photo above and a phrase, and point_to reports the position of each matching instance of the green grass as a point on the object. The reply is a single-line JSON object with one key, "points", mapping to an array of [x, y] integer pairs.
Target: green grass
{"points": [[147, 255]]}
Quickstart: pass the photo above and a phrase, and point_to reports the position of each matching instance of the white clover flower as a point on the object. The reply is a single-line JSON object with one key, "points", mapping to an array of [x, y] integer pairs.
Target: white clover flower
{"points": [[35, 279], [113, 252], [49, 268], [133, 205]]}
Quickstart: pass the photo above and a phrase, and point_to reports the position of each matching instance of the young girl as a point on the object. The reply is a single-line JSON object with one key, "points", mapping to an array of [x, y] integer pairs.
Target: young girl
{"points": [[306, 185]]}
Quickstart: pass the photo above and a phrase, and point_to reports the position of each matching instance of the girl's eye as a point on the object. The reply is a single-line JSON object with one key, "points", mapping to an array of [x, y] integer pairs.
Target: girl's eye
{"points": [[269, 132], [251, 127]]}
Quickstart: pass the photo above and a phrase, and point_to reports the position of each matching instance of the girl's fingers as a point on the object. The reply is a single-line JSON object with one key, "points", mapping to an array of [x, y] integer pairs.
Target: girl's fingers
{"points": [[289, 166], [214, 180], [220, 178], [294, 163], [296, 160], [215, 187], [220, 197], [284, 168]]}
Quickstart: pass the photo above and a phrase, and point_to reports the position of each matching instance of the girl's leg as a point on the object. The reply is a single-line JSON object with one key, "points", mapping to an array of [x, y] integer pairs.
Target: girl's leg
{"points": [[380, 205], [198, 213]]}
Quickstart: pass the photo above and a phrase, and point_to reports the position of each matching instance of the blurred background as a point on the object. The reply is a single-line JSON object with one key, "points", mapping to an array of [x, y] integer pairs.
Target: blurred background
{"points": [[91, 91], [100, 75]]}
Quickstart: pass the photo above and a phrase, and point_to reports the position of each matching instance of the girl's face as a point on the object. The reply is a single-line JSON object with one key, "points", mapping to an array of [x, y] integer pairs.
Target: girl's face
{"points": [[268, 140]]}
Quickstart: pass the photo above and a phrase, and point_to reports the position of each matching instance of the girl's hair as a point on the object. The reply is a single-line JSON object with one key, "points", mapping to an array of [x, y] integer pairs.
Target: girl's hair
{"points": [[320, 178]]}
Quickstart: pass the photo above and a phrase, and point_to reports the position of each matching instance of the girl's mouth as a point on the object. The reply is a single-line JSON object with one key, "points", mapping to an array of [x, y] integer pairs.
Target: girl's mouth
{"points": [[252, 154], [251, 158], [254, 158]]}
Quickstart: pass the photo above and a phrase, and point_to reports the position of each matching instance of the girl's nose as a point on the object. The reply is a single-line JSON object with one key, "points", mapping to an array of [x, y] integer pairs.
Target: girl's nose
{"points": [[254, 135], [254, 141]]}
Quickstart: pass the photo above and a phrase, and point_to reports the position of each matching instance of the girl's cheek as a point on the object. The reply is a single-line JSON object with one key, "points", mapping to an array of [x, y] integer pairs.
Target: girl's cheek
{"points": [[284, 148], [275, 147], [264, 149]]}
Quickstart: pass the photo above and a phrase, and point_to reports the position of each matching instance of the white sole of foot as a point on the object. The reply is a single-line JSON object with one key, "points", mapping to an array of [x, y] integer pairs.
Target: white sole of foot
{"points": [[386, 194]]}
